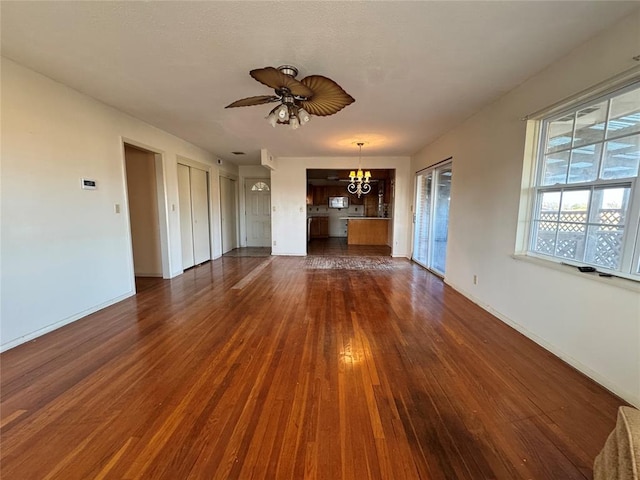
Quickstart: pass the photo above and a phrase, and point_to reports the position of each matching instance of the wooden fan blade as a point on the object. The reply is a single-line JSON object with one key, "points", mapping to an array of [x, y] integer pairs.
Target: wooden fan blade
{"points": [[249, 101], [274, 78], [328, 97]]}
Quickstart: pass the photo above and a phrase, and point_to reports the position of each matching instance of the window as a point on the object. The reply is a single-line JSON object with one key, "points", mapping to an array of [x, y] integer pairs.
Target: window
{"points": [[587, 197], [260, 187]]}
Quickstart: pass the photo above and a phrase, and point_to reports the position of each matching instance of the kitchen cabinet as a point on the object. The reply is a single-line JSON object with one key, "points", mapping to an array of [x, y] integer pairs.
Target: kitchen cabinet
{"points": [[309, 194], [319, 227], [320, 195], [368, 231], [354, 200]]}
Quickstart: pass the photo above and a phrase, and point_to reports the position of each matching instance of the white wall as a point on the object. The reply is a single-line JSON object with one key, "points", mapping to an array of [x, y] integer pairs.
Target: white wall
{"points": [[64, 251], [592, 324], [289, 198]]}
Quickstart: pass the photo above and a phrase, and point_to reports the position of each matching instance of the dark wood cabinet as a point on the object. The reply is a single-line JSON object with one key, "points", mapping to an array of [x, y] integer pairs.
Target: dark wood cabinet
{"points": [[320, 195], [319, 227]]}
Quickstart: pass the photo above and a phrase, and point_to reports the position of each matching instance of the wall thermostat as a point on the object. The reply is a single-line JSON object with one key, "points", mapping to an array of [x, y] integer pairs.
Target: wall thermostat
{"points": [[88, 184]]}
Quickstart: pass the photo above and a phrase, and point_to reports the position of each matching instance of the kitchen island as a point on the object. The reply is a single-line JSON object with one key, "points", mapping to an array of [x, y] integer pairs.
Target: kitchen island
{"points": [[367, 230]]}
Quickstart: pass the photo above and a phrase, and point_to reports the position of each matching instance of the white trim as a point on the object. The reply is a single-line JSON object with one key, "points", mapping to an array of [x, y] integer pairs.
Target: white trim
{"points": [[551, 262], [630, 235], [54, 326], [162, 201], [193, 163], [600, 379]]}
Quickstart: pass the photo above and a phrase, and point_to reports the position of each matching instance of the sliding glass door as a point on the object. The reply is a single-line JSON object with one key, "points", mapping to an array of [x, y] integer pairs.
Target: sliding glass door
{"points": [[431, 220]]}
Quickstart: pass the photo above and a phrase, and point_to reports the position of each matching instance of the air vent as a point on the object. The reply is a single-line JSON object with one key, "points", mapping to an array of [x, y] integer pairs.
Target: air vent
{"points": [[238, 153]]}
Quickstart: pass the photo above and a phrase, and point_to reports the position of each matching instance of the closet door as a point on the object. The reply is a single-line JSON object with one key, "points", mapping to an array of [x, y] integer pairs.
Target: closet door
{"points": [[186, 229], [193, 195], [200, 215]]}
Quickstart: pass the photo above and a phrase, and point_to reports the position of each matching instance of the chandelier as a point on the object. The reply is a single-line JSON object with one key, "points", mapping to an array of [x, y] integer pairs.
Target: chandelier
{"points": [[359, 181]]}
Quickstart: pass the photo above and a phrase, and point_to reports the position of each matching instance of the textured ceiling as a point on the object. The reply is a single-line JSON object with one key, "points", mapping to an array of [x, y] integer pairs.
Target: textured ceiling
{"points": [[414, 68]]}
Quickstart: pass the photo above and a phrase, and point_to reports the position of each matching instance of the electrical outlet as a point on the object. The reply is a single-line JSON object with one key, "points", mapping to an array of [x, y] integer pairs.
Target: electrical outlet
{"points": [[475, 279], [274, 243]]}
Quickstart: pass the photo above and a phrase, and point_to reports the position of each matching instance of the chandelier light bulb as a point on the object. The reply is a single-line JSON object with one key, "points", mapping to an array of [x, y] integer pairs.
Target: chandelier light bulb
{"points": [[294, 122], [283, 112]]}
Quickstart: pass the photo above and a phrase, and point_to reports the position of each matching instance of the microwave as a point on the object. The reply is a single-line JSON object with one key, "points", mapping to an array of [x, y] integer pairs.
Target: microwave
{"points": [[338, 202]]}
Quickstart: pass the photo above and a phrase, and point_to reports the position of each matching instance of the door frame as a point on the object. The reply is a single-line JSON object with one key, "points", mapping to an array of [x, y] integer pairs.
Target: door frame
{"points": [[432, 210], [233, 178], [161, 200], [244, 242], [215, 239]]}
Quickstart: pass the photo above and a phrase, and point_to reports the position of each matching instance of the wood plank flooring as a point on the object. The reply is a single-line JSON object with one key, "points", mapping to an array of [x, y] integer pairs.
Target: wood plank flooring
{"points": [[292, 372], [338, 246]]}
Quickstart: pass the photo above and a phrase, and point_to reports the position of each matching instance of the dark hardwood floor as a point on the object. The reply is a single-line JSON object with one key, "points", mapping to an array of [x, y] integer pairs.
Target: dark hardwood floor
{"points": [[250, 367], [337, 246]]}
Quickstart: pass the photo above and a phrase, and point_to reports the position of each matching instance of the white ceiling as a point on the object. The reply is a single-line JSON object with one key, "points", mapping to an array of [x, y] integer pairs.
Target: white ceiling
{"points": [[414, 68]]}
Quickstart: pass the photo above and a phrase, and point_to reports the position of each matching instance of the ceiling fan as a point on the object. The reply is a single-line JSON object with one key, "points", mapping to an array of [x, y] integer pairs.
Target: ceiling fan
{"points": [[313, 95]]}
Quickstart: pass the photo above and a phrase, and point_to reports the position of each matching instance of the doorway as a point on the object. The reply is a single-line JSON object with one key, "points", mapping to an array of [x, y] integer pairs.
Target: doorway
{"points": [[229, 213], [144, 219], [257, 193], [193, 196], [431, 221]]}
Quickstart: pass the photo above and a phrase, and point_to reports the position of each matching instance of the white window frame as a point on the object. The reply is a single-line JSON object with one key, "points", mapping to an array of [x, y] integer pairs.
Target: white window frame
{"points": [[630, 252]]}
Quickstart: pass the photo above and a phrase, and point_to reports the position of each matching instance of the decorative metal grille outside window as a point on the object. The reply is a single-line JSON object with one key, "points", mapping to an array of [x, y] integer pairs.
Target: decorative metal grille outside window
{"points": [[587, 201]]}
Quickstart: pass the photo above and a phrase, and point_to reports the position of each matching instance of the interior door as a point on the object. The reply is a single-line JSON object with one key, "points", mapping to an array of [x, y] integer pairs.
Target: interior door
{"points": [[258, 212], [186, 229], [229, 213], [200, 215]]}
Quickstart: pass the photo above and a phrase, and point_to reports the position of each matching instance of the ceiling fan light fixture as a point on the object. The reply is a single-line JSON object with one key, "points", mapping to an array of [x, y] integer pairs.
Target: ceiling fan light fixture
{"points": [[283, 113], [272, 118], [303, 116], [317, 94]]}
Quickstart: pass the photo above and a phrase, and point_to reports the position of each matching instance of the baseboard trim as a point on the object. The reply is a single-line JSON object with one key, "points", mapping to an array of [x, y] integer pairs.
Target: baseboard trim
{"points": [[581, 367], [54, 326]]}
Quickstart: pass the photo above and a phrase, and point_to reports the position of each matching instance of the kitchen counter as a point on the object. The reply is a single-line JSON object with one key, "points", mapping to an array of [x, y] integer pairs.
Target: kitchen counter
{"points": [[367, 230], [364, 218]]}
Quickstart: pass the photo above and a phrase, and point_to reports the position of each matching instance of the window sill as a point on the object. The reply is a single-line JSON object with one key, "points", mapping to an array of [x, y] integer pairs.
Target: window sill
{"points": [[620, 282]]}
